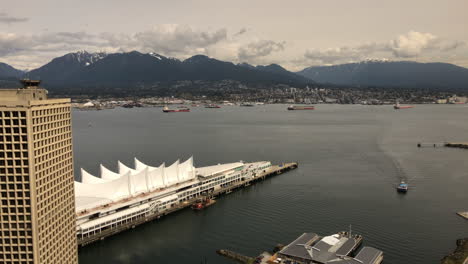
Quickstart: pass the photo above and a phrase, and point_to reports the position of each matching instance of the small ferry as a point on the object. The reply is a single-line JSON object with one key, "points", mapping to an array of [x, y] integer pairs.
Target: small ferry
{"points": [[168, 110], [295, 107], [402, 187], [212, 106]]}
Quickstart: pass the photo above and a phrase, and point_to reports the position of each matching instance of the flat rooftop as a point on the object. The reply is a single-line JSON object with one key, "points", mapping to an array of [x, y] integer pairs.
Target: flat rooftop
{"points": [[334, 249], [216, 169]]}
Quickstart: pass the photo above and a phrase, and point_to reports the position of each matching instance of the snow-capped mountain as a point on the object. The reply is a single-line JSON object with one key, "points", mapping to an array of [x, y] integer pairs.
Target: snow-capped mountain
{"points": [[62, 67], [385, 73], [135, 68]]}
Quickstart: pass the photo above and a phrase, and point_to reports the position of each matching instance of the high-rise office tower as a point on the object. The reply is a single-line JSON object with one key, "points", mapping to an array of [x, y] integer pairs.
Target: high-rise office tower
{"points": [[37, 223]]}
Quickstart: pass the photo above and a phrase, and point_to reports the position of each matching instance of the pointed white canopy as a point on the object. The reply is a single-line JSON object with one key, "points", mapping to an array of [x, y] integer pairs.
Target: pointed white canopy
{"points": [[186, 170], [108, 174], [88, 178], [156, 177], [95, 191], [92, 195], [124, 169], [171, 174]]}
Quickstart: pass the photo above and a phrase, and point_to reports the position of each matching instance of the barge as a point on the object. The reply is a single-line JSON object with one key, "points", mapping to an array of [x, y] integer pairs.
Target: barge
{"points": [[397, 106], [295, 107], [169, 110], [121, 200]]}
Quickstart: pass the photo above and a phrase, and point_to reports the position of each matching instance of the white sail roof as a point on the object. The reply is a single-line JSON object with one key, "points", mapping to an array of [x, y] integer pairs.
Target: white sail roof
{"points": [[88, 178], [140, 165], [156, 177], [98, 194], [108, 174], [171, 174], [124, 169], [94, 191]]}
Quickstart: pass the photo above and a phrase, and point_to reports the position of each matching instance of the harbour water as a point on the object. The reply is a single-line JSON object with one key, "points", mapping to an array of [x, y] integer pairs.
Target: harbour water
{"points": [[351, 158]]}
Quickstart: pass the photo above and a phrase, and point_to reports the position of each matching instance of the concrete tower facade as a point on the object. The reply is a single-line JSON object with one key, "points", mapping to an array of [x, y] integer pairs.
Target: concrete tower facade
{"points": [[38, 220]]}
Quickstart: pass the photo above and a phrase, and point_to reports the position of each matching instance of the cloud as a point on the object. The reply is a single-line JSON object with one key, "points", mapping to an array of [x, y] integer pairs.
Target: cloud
{"points": [[259, 48], [173, 39], [410, 45], [167, 39], [5, 18], [180, 41]]}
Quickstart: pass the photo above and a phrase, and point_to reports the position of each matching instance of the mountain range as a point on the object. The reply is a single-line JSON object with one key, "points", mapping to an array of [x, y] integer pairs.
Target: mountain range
{"points": [[134, 69], [405, 74], [85, 69], [6, 72]]}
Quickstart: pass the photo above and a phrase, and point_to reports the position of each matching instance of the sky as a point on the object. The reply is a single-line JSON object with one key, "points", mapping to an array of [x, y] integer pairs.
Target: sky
{"points": [[295, 34]]}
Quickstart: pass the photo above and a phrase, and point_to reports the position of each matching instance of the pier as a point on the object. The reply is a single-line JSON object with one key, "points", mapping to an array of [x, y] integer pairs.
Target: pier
{"points": [[271, 171], [463, 145]]}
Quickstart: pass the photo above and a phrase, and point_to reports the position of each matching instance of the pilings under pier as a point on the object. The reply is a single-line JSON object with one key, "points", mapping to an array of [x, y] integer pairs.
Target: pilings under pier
{"points": [[272, 171], [235, 256]]}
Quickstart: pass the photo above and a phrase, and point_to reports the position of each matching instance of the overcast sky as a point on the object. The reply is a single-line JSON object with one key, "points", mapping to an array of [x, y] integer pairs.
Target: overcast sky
{"points": [[294, 34]]}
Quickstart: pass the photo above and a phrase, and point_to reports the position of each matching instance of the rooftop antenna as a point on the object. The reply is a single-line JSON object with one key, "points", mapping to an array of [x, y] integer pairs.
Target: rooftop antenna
{"points": [[350, 230]]}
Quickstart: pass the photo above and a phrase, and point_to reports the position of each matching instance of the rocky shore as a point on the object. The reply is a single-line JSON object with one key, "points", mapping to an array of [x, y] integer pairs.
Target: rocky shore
{"points": [[460, 255]]}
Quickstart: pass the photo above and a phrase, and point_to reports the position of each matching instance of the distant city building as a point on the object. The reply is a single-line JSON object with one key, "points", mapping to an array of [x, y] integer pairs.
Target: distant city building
{"points": [[38, 220]]}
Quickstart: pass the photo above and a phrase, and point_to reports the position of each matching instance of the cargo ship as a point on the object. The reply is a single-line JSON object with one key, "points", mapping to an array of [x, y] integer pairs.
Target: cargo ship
{"points": [[295, 107], [398, 106], [402, 187], [168, 110], [212, 106]]}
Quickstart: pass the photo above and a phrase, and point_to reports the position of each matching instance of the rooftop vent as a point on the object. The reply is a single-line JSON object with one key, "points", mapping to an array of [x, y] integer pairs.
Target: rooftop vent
{"points": [[30, 83]]}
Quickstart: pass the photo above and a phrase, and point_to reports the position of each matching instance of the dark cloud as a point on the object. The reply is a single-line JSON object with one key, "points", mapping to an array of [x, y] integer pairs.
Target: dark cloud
{"points": [[241, 31], [5, 18]]}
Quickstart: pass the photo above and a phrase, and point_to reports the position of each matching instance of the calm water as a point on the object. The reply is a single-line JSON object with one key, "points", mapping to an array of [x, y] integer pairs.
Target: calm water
{"points": [[350, 157]]}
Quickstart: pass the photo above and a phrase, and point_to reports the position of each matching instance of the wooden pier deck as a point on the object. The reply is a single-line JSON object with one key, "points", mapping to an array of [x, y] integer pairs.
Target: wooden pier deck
{"points": [[272, 171], [463, 214]]}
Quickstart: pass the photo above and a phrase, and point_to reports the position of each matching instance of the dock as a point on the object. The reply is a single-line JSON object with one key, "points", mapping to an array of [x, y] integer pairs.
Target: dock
{"points": [[463, 214], [272, 171], [463, 145]]}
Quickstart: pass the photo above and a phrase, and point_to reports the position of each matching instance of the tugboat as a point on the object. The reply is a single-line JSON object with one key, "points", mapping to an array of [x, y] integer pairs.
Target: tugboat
{"points": [[295, 107], [203, 203], [402, 187], [168, 110]]}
